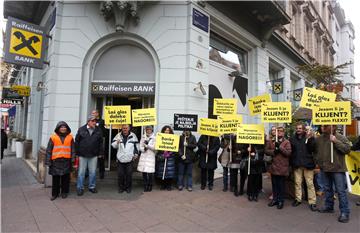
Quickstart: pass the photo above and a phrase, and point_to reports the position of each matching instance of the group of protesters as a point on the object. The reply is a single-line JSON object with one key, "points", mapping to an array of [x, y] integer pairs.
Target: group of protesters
{"points": [[301, 154]]}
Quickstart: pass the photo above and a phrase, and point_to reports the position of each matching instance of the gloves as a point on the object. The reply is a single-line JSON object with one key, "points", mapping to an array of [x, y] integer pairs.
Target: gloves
{"points": [[183, 157], [277, 145]]}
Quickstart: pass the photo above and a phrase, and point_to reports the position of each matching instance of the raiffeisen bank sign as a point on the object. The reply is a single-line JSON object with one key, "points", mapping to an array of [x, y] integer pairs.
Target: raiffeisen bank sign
{"points": [[102, 88]]}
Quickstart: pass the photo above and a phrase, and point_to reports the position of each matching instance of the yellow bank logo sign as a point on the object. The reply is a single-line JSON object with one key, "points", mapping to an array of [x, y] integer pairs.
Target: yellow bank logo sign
{"points": [[25, 43]]}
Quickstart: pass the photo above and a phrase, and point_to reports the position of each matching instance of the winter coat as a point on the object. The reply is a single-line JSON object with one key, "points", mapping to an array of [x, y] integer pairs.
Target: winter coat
{"points": [[302, 153], [4, 140], [59, 166], [127, 148], [170, 170], [280, 161], [323, 152], [214, 146], [147, 157], [101, 124], [239, 154], [257, 164], [87, 145], [224, 157], [190, 154]]}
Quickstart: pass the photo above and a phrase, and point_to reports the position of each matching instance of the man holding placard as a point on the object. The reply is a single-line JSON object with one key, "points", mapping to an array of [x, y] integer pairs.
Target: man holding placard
{"points": [[334, 171]]}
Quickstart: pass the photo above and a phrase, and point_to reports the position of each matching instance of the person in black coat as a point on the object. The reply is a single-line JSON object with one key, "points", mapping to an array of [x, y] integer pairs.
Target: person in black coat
{"points": [[167, 158], [257, 167], [4, 142], [303, 164], [101, 159], [59, 153], [208, 146], [188, 144], [237, 166], [88, 146]]}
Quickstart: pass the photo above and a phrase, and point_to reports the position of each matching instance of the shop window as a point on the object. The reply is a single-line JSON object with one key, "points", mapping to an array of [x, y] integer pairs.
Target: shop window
{"points": [[227, 54]]}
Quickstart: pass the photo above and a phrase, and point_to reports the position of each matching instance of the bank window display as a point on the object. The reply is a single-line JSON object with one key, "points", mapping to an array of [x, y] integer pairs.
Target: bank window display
{"points": [[227, 54]]}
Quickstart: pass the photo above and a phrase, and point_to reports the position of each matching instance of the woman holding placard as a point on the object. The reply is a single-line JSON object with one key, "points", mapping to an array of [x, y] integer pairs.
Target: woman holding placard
{"points": [[224, 159], [257, 167], [147, 158], [208, 148], [165, 164], [280, 150]]}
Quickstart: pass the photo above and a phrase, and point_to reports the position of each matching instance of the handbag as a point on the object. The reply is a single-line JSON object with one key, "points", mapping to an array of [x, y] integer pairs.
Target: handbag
{"points": [[267, 158]]}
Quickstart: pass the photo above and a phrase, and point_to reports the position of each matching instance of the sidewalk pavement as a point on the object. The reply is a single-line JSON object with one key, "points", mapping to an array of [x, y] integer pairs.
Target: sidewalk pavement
{"points": [[26, 207]]}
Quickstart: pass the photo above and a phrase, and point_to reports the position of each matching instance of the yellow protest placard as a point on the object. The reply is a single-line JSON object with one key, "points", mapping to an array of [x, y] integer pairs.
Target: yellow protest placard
{"points": [[225, 106], [332, 113], [353, 166], [312, 97], [142, 117], [167, 142], [228, 123], [255, 103], [117, 115], [250, 134], [276, 112], [208, 127]]}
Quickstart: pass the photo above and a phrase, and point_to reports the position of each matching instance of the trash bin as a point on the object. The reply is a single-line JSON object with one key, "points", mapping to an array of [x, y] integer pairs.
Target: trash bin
{"points": [[13, 145], [19, 149]]}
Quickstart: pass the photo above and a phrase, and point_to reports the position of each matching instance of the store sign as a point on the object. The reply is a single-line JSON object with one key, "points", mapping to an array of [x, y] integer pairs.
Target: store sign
{"points": [[200, 20], [9, 93], [12, 101], [21, 90], [25, 43], [123, 88], [185, 122]]}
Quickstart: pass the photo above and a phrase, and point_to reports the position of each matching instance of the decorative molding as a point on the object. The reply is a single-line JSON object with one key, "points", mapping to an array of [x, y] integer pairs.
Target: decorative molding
{"points": [[121, 11]]}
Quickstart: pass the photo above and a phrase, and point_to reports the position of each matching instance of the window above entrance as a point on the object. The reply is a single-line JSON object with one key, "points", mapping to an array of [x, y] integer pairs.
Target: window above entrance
{"points": [[125, 63]]}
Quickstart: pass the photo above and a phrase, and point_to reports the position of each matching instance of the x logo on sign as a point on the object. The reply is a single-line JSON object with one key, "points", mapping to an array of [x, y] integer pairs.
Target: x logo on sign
{"points": [[297, 95], [26, 43], [277, 87]]}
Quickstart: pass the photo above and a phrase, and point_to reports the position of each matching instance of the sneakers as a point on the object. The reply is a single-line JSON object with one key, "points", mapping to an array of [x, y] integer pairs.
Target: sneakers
{"points": [[189, 189], [296, 203], [344, 218], [313, 207], [326, 210], [180, 188], [93, 190], [80, 192], [273, 203]]}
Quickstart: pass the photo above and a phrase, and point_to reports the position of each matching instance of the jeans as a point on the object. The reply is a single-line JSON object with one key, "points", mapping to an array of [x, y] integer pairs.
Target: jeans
{"points": [[185, 171], [125, 175], [225, 176], [207, 174], [320, 181], [308, 174], [60, 182], [278, 187], [90, 164], [339, 180]]}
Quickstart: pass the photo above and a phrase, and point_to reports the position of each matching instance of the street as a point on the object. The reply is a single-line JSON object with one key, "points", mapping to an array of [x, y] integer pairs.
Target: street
{"points": [[26, 207]]}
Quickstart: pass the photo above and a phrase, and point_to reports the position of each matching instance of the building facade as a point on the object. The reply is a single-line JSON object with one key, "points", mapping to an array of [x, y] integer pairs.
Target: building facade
{"points": [[174, 56]]}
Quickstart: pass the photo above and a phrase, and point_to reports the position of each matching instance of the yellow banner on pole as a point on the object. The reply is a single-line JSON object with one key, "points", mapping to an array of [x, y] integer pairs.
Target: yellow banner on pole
{"points": [[167, 142], [255, 103], [352, 161], [312, 97], [276, 112], [332, 113], [225, 106], [143, 117], [117, 115], [251, 134], [228, 123], [208, 127]]}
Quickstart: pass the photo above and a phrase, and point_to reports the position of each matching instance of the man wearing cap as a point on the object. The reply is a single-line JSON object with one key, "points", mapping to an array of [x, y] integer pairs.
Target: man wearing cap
{"points": [[88, 146]]}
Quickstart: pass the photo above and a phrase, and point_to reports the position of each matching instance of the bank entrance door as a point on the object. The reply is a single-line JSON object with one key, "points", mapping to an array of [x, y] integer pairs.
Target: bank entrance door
{"points": [[136, 102]]}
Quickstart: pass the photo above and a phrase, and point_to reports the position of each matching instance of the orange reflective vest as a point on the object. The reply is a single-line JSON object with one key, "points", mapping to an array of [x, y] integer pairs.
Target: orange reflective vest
{"points": [[61, 150]]}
